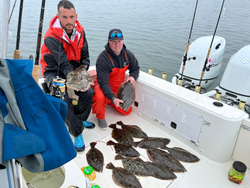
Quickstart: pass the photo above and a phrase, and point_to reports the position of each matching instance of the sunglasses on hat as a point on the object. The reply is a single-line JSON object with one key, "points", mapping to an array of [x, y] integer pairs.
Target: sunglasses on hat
{"points": [[113, 35]]}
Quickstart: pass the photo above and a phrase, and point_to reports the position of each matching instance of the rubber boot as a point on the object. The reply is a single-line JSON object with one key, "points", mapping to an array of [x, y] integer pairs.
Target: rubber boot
{"points": [[88, 124], [79, 143], [102, 124]]}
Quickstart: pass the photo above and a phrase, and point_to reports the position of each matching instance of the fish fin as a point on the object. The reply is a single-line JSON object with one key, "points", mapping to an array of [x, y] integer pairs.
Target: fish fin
{"points": [[92, 144], [136, 127], [111, 143], [110, 166], [112, 126], [138, 159], [164, 147], [119, 157]]}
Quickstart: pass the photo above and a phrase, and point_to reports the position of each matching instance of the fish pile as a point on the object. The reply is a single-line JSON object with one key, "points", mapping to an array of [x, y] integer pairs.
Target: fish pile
{"points": [[126, 93], [163, 162], [78, 79]]}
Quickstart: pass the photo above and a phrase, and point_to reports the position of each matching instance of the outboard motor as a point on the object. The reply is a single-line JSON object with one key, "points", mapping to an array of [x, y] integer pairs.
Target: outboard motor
{"points": [[235, 82], [196, 57]]}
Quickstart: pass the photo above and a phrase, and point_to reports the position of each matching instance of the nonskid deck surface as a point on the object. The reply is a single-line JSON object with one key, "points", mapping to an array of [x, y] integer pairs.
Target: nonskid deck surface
{"points": [[203, 174]]}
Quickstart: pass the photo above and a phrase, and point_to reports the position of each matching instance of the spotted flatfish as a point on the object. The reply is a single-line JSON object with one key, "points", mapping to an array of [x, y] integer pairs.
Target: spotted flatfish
{"points": [[134, 130], [152, 142], [95, 158], [125, 150], [78, 79], [183, 155], [141, 168], [126, 93], [162, 157], [123, 177], [121, 136]]}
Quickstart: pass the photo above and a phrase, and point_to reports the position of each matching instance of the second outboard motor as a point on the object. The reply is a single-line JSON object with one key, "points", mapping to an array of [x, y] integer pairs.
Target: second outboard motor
{"points": [[235, 82]]}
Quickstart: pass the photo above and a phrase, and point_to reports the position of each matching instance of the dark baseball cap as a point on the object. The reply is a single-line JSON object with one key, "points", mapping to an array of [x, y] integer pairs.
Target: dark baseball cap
{"points": [[115, 34]]}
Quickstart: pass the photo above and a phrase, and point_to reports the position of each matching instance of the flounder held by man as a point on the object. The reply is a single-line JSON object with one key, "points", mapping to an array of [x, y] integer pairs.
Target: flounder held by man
{"points": [[125, 150], [123, 177], [134, 130], [121, 136], [78, 79], [141, 168], [95, 158], [126, 93]]}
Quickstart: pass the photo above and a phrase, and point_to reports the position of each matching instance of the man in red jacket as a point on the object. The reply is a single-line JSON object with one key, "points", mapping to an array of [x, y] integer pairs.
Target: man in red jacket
{"points": [[65, 48]]}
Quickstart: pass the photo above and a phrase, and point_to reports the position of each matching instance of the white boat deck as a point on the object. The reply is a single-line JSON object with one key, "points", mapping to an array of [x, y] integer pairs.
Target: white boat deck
{"points": [[205, 173]]}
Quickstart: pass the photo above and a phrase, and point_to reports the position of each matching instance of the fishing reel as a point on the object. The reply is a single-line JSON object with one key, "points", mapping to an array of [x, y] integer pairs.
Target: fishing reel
{"points": [[58, 87], [194, 58]]}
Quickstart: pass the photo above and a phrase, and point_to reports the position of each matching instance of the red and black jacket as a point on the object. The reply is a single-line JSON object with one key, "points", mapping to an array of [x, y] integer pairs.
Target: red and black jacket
{"points": [[59, 54]]}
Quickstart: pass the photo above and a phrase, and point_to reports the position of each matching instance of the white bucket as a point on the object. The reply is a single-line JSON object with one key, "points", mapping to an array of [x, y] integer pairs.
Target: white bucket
{"points": [[67, 175]]}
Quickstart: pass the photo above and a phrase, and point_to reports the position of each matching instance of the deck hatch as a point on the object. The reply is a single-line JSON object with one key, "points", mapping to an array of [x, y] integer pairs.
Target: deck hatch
{"points": [[184, 121]]}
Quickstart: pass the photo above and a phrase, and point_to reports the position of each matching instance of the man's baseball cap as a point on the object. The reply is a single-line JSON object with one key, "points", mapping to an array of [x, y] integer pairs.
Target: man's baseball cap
{"points": [[115, 34]]}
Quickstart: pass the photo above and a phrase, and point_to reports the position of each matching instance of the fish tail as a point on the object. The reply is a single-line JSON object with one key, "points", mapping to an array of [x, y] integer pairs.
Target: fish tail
{"points": [[110, 166], [92, 144], [113, 126], [136, 144], [110, 143], [119, 157], [119, 123]]}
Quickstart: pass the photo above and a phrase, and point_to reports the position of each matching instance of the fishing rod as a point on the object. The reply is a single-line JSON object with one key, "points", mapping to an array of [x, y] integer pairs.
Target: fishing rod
{"points": [[187, 48], [36, 67], [17, 51], [197, 88]]}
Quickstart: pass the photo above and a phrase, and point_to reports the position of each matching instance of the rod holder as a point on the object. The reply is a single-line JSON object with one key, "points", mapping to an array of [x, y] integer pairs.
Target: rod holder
{"points": [[218, 95], [242, 105], [180, 82], [197, 88], [164, 76], [150, 70]]}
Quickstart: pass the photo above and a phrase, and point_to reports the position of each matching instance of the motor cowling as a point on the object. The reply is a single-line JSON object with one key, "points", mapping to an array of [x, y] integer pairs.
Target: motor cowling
{"points": [[235, 82], [196, 58]]}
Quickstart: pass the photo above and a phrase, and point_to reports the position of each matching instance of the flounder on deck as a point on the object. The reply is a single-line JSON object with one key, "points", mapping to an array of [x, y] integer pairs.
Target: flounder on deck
{"points": [[183, 155], [153, 142], [123, 177], [95, 158], [141, 168], [125, 150], [134, 130], [121, 136], [78, 79], [126, 93], [164, 158]]}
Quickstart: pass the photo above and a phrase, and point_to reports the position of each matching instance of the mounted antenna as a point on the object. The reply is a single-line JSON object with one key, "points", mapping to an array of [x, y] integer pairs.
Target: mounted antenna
{"points": [[185, 56], [197, 89]]}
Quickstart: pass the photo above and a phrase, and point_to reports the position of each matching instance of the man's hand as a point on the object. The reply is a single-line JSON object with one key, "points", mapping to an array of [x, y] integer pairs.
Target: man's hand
{"points": [[83, 90], [131, 79], [117, 102]]}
